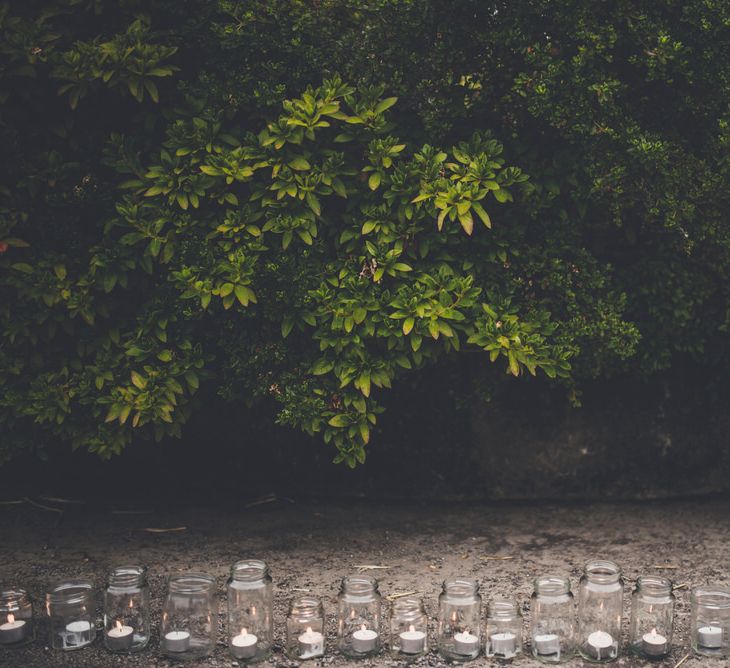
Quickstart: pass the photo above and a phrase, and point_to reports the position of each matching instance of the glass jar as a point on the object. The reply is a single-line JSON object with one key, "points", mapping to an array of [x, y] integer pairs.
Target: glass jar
{"points": [[127, 610], [189, 617], [652, 617], [711, 621], [358, 617], [305, 630], [71, 609], [16, 617], [250, 611], [459, 620], [600, 608], [408, 629], [504, 629], [552, 619]]}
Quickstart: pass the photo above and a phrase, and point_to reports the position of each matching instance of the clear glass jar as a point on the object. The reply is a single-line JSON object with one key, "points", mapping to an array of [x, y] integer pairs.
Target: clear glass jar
{"points": [[600, 608], [652, 617], [250, 611], [305, 629], [189, 617], [710, 625], [358, 617], [127, 610], [16, 617], [552, 619], [71, 609], [408, 629], [504, 629], [459, 620]]}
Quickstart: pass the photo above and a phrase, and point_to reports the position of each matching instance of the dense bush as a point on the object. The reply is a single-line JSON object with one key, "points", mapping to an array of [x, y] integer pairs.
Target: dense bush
{"points": [[301, 202]]}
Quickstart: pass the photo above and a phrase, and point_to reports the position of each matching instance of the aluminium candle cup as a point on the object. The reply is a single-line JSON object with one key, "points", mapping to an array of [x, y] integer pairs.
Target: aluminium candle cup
{"points": [[654, 644], [119, 639], [466, 643], [710, 637], [546, 644], [14, 632], [503, 644], [244, 645], [364, 640], [177, 641], [78, 633], [412, 642], [311, 644], [600, 645]]}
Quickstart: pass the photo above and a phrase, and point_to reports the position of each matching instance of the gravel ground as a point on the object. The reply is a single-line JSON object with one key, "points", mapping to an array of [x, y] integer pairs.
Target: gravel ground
{"points": [[313, 545]]}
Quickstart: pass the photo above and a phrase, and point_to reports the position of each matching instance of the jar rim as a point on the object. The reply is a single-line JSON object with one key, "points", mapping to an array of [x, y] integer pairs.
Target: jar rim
{"points": [[308, 606], [460, 586], [359, 584], [70, 591], [249, 570], [654, 584], [190, 583], [8, 592], [502, 607], [408, 604], [128, 576], [552, 584], [602, 571], [711, 596]]}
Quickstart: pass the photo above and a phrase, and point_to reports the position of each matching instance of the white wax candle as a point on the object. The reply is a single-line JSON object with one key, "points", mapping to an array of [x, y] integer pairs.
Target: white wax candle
{"points": [[311, 644], [364, 639], [654, 644], [412, 641], [710, 637], [12, 631], [546, 643], [244, 645], [600, 644], [119, 638], [78, 633], [504, 643], [177, 641], [465, 643]]}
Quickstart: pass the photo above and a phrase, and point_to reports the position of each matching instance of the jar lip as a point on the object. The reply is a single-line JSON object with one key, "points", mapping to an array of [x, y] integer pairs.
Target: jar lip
{"points": [[128, 576], [8, 593], [712, 596], [503, 607], [359, 584], [70, 591], [190, 583], [460, 586], [552, 584], [602, 571], [309, 606], [654, 584], [407, 604], [249, 570]]}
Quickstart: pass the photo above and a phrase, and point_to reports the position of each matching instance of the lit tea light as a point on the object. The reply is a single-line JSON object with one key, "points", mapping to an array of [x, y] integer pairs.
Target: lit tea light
{"points": [[177, 641], [465, 643], [12, 631], [119, 638], [244, 645], [311, 643], [412, 641], [364, 639], [504, 643], [654, 644], [710, 637], [600, 644], [78, 633], [546, 643]]}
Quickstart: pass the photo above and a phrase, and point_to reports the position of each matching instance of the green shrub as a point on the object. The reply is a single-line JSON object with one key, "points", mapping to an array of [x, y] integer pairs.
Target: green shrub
{"points": [[169, 232]]}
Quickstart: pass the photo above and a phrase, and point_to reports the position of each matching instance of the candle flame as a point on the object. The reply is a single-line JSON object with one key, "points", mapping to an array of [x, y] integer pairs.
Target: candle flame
{"points": [[11, 618], [411, 628], [244, 632], [653, 632], [363, 627], [119, 625], [453, 617], [309, 629], [131, 604], [253, 610]]}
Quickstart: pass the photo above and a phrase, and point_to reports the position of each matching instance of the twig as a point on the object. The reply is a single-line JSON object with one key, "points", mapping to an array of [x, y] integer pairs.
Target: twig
{"points": [[171, 530], [682, 586], [55, 499], [397, 595], [42, 506], [12, 503], [367, 567], [299, 589], [666, 567], [496, 557], [682, 660], [268, 498]]}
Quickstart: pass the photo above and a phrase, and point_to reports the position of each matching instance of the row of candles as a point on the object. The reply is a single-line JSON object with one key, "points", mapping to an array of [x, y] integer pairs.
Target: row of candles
{"points": [[188, 626]]}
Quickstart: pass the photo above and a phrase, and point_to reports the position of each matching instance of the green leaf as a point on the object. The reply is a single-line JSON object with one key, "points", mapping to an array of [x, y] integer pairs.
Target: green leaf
{"points": [[22, 266], [60, 271], [479, 209], [299, 163], [322, 367], [287, 324], [340, 420], [467, 222], [138, 381], [408, 325], [385, 104], [374, 181]]}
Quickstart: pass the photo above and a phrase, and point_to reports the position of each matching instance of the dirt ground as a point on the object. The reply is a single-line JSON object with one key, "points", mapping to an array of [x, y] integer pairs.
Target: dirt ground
{"points": [[313, 545]]}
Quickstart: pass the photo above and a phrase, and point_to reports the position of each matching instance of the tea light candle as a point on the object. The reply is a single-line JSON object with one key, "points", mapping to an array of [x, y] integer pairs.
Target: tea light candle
{"points": [[412, 641], [710, 637], [465, 643], [119, 638], [547, 643], [177, 641], [503, 643], [364, 639], [78, 633], [244, 645], [311, 643], [654, 644], [14, 630], [599, 642]]}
